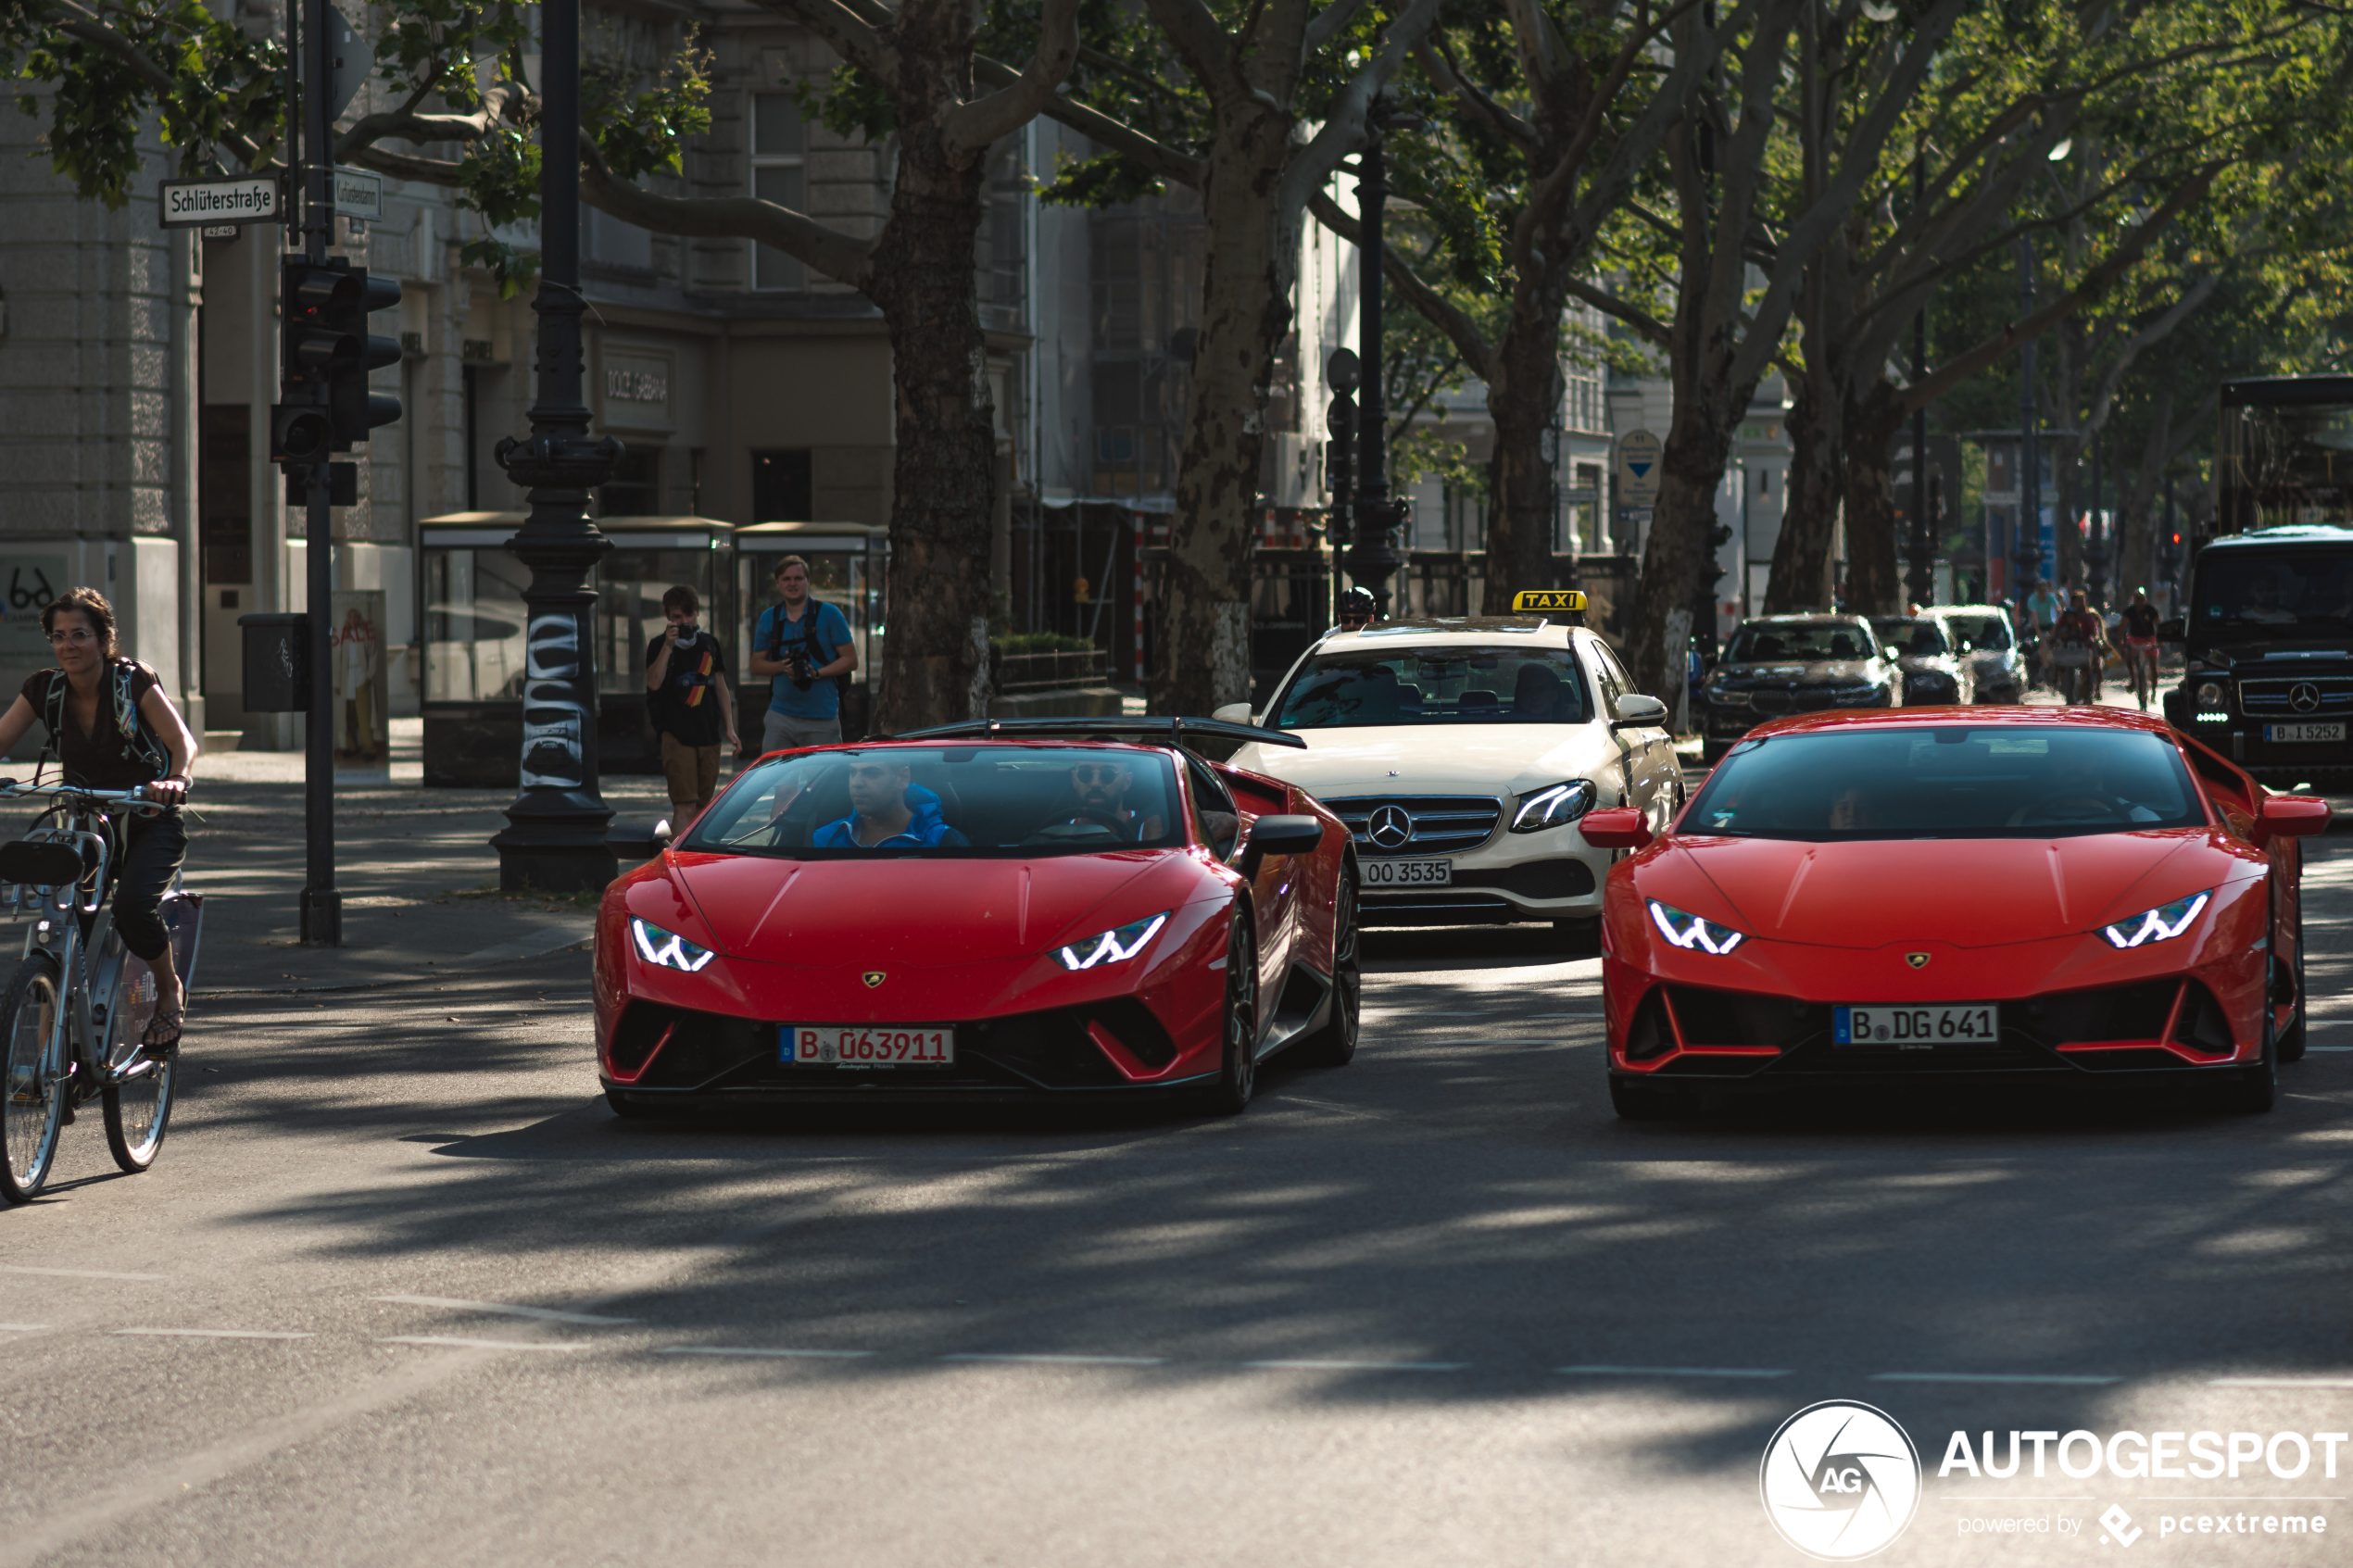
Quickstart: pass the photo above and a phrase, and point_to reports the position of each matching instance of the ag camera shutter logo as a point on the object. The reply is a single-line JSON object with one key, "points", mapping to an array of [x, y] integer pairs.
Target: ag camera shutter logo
{"points": [[1839, 1480]]}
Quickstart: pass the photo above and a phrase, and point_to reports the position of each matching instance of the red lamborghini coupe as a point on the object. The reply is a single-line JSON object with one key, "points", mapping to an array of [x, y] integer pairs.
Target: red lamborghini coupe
{"points": [[1937, 894], [1049, 908]]}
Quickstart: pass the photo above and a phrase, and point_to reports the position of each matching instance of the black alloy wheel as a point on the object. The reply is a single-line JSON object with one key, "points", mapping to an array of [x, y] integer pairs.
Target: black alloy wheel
{"points": [[1237, 1063], [1334, 1045], [2291, 1042], [2258, 1086]]}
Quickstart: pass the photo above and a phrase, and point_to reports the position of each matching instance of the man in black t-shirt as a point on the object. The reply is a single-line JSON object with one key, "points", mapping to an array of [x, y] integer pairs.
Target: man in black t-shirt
{"points": [[686, 697]]}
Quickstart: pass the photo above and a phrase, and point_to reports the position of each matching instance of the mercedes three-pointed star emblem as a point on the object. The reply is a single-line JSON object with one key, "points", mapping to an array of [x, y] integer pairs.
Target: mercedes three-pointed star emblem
{"points": [[1390, 827]]}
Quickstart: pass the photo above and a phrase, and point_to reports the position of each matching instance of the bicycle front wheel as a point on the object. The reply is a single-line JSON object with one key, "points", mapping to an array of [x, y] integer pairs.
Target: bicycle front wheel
{"points": [[33, 1099], [138, 1092]]}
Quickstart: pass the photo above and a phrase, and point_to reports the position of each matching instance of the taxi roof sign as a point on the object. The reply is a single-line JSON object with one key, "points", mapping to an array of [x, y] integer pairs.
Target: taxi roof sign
{"points": [[1537, 601]]}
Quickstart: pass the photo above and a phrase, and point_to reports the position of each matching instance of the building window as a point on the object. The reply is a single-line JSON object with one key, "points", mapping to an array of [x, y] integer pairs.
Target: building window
{"points": [[781, 491], [635, 489], [779, 156]]}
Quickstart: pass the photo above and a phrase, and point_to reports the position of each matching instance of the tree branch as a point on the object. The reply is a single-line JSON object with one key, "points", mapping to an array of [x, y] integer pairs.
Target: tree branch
{"points": [[831, 251], [1435, 308], [84, 25], [1438, 61], [1649, 327], [852, 32], [1343, 128], [405, 165], [1327, 25], [972, 127], [2181, 310], [1096, 126]]}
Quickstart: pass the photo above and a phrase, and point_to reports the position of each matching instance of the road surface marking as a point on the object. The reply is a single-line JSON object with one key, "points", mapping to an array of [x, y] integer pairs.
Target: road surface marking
{"points": [[1360, 1366], [216, 1332], [76, 1274], [481, 1344], [1336, 1109], [2072, 1379], [23, 1327], [1061, 1360], [538, 1314], [2280, 1382], [748, 1350], [1672, 1371]]}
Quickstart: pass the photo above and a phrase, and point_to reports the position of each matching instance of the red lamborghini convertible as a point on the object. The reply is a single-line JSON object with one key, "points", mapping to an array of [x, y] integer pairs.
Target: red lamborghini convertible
{"points": [[1937, 894], [1051, 908]]}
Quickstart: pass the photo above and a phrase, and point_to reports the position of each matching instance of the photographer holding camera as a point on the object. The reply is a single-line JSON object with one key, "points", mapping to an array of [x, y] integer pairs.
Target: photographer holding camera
{"points": [[804, 644]]}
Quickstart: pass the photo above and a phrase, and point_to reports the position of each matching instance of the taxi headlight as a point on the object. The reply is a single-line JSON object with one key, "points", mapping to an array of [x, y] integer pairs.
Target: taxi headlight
{"points": [[666, 949], [2160, 924], [1552, 807], [1685, 930], [1115, 946]]}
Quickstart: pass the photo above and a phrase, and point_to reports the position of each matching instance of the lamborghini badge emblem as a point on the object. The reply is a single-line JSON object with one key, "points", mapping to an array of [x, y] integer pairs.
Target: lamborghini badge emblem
{"points": [[1917, 961], [874, 977]]}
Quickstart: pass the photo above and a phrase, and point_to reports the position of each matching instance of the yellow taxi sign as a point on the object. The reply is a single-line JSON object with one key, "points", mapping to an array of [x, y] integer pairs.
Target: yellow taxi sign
{"points": [[1539, 601]]}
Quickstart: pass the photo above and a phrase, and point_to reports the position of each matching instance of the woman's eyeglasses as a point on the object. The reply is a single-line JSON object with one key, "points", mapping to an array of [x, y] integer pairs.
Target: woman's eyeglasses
{"points": [[75, 638]]}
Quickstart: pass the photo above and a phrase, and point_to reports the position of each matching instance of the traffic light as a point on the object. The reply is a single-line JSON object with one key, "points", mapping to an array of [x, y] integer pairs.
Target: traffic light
{"points": [[354, 409], [325, 353]]}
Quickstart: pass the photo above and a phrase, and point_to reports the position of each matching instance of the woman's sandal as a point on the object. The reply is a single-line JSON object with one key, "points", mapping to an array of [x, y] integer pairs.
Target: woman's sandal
{"points": [[160, 1040]]}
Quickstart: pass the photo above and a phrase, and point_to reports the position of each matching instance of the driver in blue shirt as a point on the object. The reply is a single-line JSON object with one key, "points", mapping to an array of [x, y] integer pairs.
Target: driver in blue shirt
{"points": [[887, 811]]}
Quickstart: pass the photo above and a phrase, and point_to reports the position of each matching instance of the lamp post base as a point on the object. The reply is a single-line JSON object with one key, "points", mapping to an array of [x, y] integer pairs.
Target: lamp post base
{"points": [[321, 918], [556, 846]]}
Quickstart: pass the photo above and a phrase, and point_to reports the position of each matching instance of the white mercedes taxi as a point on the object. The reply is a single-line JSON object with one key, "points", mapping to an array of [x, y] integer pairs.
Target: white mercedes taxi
{"points": [[1461, 753]]}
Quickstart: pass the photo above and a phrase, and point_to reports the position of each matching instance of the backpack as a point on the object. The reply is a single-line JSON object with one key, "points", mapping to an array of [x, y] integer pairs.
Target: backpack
{"points": [[142, 742]]}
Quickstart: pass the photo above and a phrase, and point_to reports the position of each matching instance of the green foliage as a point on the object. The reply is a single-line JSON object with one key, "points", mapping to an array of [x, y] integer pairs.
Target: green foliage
{"points": [[220, 83], [641, 130]]}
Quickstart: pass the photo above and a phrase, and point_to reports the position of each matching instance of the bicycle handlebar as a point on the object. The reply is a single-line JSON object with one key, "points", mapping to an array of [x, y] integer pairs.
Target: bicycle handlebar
{"points": [[135, 797]]}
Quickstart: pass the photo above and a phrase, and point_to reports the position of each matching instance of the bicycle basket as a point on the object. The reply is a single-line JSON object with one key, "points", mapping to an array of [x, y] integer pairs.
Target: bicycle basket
{"points": [[40, 865], [2074, 656]]}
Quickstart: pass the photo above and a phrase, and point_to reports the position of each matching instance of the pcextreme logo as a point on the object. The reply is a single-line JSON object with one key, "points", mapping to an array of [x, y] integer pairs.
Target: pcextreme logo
{"points": [[1839, 1480]]}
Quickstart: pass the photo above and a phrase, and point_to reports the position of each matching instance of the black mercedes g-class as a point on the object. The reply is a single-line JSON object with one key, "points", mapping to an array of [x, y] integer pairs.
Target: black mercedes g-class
{"points": [[2268, 638]]}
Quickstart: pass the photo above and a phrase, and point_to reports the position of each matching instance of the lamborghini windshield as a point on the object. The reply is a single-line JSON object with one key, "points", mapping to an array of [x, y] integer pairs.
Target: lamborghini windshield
{"points": [[949, 801], [1445, 685], [1953, 781]]}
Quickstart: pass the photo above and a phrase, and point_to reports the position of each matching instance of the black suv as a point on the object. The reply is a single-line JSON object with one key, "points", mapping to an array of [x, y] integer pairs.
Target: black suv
{"points": [[2269, 645]]}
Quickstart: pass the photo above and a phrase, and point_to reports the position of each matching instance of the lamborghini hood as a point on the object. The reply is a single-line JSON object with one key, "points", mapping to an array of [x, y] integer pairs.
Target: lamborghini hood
{"points": [[1970, 892]]}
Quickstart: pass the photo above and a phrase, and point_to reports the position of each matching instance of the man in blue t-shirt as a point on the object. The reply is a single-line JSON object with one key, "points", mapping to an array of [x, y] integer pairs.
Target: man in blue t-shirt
{"points": [[804, 644]]}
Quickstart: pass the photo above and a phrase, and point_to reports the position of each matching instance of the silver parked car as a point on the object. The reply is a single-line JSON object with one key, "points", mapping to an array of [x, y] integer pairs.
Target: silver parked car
{"points": [[1993, 659]]}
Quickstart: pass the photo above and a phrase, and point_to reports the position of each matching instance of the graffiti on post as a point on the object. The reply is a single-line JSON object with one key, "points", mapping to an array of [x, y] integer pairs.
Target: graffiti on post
{"points": [[555, 696]]}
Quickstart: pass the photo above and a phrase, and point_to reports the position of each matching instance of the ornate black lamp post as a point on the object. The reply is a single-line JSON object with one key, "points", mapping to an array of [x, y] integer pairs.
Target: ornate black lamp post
{"points": [[1340, 370], [1372, 560], [556, 836]]}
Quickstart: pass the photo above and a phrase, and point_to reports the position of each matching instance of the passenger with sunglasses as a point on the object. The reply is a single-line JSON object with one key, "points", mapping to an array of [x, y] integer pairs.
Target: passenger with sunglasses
{"points": [[1100, 787]]}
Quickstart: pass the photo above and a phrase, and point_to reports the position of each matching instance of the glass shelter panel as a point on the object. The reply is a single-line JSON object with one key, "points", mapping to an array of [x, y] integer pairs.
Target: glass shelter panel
{"points": [[474, 622]]}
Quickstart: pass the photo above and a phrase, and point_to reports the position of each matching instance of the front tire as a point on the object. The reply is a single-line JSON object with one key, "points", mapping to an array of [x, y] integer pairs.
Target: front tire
{"points": [[33, 1081], [139, 1108], [2258, 1086], [1237, 1062], [1334, 1045], [2291, 1042]]}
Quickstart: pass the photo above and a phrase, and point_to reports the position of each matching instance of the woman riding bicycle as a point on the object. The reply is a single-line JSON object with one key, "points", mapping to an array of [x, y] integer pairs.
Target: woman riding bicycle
{"points": [[114, 729]]}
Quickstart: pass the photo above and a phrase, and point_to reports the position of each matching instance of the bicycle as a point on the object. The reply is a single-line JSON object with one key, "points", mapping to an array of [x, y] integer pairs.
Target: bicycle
{"points": [[72, 1015]]}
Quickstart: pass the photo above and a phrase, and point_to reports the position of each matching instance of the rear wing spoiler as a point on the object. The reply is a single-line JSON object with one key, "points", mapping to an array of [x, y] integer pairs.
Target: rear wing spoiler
{"points": [[1152, 730]]}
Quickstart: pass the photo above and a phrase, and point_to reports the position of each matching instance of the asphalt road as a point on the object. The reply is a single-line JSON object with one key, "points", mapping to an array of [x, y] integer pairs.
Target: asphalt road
{"points": [[402, 1291]]}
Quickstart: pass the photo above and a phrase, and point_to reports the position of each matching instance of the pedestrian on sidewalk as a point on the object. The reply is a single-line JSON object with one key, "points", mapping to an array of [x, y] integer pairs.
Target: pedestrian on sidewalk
{"points": [[113, 728], [686, 697], [805, 646]]}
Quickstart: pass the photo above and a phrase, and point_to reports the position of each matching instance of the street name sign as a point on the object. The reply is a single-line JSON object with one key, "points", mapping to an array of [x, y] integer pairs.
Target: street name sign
{"points": [[359, 194], [251, 198]]}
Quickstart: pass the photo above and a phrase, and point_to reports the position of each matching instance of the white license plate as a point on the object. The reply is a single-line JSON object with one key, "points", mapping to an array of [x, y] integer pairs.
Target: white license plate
{"points": [[2303, 731], [1407, 874], [1918, 1028], [865, 1047]]}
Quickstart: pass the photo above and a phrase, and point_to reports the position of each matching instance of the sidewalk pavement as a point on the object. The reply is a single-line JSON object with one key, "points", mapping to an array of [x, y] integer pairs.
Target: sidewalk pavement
{"points": [[418, 876]]}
